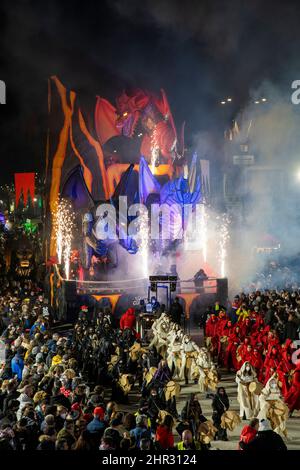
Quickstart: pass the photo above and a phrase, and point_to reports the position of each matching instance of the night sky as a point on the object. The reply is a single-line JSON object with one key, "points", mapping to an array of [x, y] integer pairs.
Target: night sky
{"points": [[199, 52]]}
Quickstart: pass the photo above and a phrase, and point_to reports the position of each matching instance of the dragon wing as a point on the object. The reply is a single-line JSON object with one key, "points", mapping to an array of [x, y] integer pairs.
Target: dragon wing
{"points": [[148, 184], [75, 189]]}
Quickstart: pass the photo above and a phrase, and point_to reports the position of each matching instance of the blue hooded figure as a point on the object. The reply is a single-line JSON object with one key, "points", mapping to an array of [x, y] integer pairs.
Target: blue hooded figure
{"points": [[17, 365]]}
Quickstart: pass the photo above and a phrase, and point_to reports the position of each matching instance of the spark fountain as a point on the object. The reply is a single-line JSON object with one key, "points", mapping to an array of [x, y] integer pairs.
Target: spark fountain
{"points": [[144, 243], [64, 218], [223, 242], [203, 231]]}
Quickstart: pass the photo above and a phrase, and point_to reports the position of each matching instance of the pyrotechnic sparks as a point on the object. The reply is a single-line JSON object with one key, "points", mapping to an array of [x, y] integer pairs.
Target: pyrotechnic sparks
{"points": [[203, 231], [223, 242], [144, 242], [154, 151], [64, 225]]}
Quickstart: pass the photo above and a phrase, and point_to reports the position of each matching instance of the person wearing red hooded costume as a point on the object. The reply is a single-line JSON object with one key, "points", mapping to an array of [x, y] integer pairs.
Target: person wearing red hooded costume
{"points": [[293, 397], [246, 327], [223, 342], [222, 322], [242, 349], [258, 336], [211, 330], [230, 359], [272, 360], [256, 361], [248, 355], [128, 320], [270, 339], [285, 371], [258, 326]]}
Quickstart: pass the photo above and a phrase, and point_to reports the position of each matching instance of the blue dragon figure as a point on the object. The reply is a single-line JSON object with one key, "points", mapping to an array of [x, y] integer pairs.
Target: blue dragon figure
{"points": [[139, 187]]}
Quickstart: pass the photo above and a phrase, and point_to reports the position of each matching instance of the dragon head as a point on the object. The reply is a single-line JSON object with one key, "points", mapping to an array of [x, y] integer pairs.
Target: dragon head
{"points": [[129, 109]]}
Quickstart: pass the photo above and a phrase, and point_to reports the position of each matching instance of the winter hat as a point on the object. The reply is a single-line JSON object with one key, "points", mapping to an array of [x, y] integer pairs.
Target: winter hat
{"points": [[99, 411], [264, 425], [76, 407]]}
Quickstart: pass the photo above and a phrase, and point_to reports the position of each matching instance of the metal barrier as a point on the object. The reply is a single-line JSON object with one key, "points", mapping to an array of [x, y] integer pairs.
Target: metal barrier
{"points": [[112, 287], [119, 286]]}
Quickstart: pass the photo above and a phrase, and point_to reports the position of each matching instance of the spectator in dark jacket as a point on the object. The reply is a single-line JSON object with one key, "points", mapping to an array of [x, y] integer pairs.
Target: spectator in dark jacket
{"points": [[140, 431], [176, 311], [12, 394], [220, 404], [291, 327], [97, 425], [113, 432], [17, 365]]}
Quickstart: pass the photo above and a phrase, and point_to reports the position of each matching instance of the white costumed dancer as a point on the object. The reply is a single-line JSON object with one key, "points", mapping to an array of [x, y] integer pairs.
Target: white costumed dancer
{"points": [[174, 351], [161, 329], [272, 406], [189, 352], [207, 372], [249, 403]]}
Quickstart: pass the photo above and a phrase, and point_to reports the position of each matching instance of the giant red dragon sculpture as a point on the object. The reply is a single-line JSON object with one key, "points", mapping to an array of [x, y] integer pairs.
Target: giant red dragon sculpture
{"points": [[145, 111]]}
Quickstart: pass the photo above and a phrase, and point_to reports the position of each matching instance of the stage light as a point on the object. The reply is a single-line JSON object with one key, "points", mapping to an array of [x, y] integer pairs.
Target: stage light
{"points": [[125, 114], [115, 151], [223, 102], [229, 99], [264, 99], [257, 102]]}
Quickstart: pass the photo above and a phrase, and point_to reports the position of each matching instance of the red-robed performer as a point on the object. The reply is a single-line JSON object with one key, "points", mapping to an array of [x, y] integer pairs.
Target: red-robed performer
{"points": [[258, 326], [270, 339], [128, 320], [222, 330], [211, 331], [285, 371], [223, 342], [256, 360], [271, 362], [230, 360], [293, 397], [248, 355], [246, 327]]}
